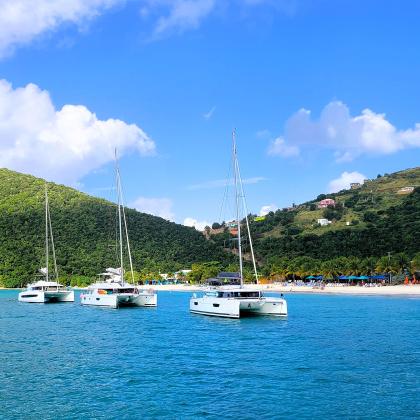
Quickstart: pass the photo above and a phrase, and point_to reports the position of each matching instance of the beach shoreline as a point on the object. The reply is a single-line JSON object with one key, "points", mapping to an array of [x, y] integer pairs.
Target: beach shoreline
{"points": [[399, 290]]}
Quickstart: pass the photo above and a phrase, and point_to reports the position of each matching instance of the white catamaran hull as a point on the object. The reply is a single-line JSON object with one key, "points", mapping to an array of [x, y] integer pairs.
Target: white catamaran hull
{"points": [[119, 299], [40, 296], [146, 299], [234, 308]]}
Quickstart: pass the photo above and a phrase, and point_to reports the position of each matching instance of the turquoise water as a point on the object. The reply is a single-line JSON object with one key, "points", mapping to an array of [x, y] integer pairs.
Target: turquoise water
{"points": [[335, 356]]}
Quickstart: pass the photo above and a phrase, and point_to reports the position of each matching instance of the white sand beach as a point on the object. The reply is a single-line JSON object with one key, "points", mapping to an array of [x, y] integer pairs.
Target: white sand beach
{"points": [[400, 290]]}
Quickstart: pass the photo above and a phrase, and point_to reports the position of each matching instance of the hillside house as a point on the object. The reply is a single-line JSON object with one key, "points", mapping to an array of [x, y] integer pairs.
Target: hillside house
{"points": [[323, 204], [323, 222], [355, 185]]}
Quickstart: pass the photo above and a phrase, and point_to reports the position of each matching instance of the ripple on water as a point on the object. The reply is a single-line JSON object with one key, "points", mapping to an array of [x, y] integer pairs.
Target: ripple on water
{"points": [[334, 356]]}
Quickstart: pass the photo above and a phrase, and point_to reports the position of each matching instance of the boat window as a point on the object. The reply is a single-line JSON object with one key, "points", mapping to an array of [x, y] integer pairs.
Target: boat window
{"points": [[195, 303], [216, 305], [247, 294]]}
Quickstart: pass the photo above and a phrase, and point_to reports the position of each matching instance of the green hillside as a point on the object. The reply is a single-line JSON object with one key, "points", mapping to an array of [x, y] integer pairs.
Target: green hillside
{"points": [[366, 222], [84, 233]]}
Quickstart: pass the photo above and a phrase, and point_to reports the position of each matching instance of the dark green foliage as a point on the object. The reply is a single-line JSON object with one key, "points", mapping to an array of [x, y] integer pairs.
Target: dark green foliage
{"points": [[331, 213], [293, 230], [84, 234], [370, 216], [397, 231]]}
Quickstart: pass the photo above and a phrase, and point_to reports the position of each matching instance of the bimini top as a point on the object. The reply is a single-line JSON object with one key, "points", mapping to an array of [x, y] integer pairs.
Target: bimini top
{"points": [[229, 275], [44, 283], [225, 278], [112, 275]]}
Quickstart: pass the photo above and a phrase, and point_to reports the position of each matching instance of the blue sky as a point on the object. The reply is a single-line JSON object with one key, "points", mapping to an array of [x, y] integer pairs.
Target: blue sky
{"points": [[317, 90]]}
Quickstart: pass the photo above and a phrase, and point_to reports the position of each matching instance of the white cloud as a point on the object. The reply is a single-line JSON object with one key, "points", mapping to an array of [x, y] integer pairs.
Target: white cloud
{"points": [[263, 134], [181, 14], [218, 183], [60, 145], [199, 225], [161, 207], [344, 181], [267, 209], [209, 114], [23, 20], [347, 136], [278, 147]]}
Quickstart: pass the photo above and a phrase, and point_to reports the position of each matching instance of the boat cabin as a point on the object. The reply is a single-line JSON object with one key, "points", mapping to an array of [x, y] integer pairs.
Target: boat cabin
{"points": [[107, 289], [46, 287], [236, 294]]}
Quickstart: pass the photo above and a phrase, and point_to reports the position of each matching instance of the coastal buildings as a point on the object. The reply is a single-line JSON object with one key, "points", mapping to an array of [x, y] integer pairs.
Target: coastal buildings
{"points": [[323, 222], [325, 203]]}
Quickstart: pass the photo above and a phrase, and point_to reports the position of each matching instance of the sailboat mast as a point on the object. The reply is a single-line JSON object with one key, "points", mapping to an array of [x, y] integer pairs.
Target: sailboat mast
{"points": [[46, 232], [247, 223], [52, 244], [117, 175], [126, 228], [237, 193]]}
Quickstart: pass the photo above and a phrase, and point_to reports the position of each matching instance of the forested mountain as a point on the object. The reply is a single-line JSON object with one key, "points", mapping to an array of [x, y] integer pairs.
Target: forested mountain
{"points": [[371, 220], [84, 233]]}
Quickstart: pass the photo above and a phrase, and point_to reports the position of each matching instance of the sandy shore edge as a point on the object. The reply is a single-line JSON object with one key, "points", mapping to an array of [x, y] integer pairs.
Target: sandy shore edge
{"points": [[400, 290]]}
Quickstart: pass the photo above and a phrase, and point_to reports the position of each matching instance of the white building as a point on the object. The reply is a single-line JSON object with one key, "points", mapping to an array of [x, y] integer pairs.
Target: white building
{"points": [[323, 222]]}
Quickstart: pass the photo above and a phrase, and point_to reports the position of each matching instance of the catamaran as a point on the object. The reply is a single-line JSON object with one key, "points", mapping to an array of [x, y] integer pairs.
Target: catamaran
{"points": [[112, 290], [236, 300], [46, 291]]}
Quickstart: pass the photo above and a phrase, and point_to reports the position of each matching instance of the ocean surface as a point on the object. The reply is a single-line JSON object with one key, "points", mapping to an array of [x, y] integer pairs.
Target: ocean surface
{"points": [[335, 356]]}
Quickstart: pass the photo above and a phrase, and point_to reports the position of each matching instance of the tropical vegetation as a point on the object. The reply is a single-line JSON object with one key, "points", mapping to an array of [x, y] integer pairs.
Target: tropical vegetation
{"points": [[84, 230]]}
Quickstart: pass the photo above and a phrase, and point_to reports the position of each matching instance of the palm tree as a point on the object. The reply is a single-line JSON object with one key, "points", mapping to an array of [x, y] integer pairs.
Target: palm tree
{"points": [[329, 269], [402, 261], [342, 265], [415, 263], [292, 268], [387, 265], [368, 265], [354, 266]]}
